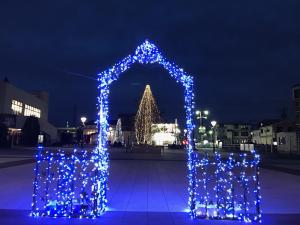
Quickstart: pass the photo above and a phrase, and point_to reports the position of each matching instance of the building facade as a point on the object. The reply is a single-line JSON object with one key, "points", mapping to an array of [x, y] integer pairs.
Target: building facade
{"points": [[296, 100], [128, 120], [233, 133], [275, 135], [165, 134], [286, 141], [16, 105], [116, 133]]}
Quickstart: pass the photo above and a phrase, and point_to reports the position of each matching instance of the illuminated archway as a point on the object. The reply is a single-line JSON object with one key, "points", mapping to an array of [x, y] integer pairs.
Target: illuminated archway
{"points": [[76, 185], [146, 53]]}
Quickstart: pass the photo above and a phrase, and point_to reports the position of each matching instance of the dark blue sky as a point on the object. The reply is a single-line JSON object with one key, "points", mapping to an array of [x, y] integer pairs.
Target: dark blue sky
{"points": [[244, 54]]}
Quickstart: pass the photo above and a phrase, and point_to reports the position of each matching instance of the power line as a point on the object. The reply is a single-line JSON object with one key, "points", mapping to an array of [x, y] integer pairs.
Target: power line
{"points": [[76, 74]]}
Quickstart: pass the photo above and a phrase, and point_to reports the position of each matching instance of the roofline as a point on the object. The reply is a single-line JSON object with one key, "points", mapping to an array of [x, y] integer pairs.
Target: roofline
{"points": [[296, 85]]}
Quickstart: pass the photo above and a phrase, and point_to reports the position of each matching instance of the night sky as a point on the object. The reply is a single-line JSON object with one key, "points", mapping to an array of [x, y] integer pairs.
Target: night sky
{"points": [[244, 55]]}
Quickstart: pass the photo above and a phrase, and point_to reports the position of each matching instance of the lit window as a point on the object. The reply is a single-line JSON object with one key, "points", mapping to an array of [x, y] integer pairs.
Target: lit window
{"points": [[17, 107], [32, 111]]}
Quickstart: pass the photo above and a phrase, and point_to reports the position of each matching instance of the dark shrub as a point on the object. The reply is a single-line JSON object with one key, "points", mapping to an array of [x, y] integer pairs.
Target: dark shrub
{"points": [[30, 131], [3, 135]]}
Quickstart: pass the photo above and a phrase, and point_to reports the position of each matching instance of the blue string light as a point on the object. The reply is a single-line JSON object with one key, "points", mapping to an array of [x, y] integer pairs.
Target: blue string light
{"points": [[230, 187], [76, 185], [65, 184], [62, 202], [146, 53]]}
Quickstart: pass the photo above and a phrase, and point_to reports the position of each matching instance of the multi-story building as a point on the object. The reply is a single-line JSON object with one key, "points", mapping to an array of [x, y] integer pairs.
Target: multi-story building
{"points": [[16, 105], [296, 100], [275, 134], [286, 141], [265, 134], [233, 133]]}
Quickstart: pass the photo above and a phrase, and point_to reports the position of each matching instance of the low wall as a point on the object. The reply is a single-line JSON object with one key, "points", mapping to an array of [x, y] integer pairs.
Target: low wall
{"points": [[146, 148]]}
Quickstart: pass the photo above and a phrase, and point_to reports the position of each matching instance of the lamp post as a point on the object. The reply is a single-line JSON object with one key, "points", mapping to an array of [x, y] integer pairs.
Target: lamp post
{"points": [[214, 123], [211, 135], [83, 120], [200, 115]]}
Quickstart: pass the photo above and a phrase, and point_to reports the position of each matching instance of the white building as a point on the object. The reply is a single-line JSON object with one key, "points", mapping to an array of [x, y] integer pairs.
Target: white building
{"points": [[256, 136], [286, 141], [275, 134], [16, 105], [165, 134]]}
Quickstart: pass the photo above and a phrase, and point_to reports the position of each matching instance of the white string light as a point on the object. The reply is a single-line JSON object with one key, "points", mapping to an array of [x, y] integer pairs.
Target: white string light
{"points": [[147, 115]]}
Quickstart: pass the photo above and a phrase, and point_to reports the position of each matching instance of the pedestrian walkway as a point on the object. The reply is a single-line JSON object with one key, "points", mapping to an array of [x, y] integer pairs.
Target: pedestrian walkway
{"points": [[20, 217], [152, 192]]}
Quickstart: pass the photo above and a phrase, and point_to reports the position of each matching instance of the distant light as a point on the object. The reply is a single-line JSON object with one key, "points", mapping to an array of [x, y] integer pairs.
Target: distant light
{"points": [[202, 129], [161, 138], [213, 123], [83, 119]]}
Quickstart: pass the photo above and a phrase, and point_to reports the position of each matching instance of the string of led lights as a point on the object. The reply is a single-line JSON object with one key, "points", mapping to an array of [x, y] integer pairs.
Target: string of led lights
{"points": [[146, 53], [76, 184], [147, 115], [235, 186], [65, 185]]}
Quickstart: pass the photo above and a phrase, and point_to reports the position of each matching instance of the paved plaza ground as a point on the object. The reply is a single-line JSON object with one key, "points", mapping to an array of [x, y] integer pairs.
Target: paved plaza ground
{"points": [[147, 190]]}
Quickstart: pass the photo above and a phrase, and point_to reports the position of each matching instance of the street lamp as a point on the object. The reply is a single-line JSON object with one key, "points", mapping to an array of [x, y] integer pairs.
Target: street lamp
{"points": [[200, 115], [214, 123], [83, 120], [81, 128]]}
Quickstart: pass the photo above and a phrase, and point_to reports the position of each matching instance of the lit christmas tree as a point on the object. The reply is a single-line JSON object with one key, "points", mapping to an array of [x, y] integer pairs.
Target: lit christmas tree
{"points": [[119, 133], [147, 114]]}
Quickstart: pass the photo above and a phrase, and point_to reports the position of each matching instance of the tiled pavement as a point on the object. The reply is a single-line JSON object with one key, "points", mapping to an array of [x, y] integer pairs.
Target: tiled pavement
{"points": [[20, 217], [152, 192]]}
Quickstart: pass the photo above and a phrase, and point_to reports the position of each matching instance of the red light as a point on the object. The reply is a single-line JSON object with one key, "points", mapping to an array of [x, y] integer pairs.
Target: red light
{"points": [[185, 142]]}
